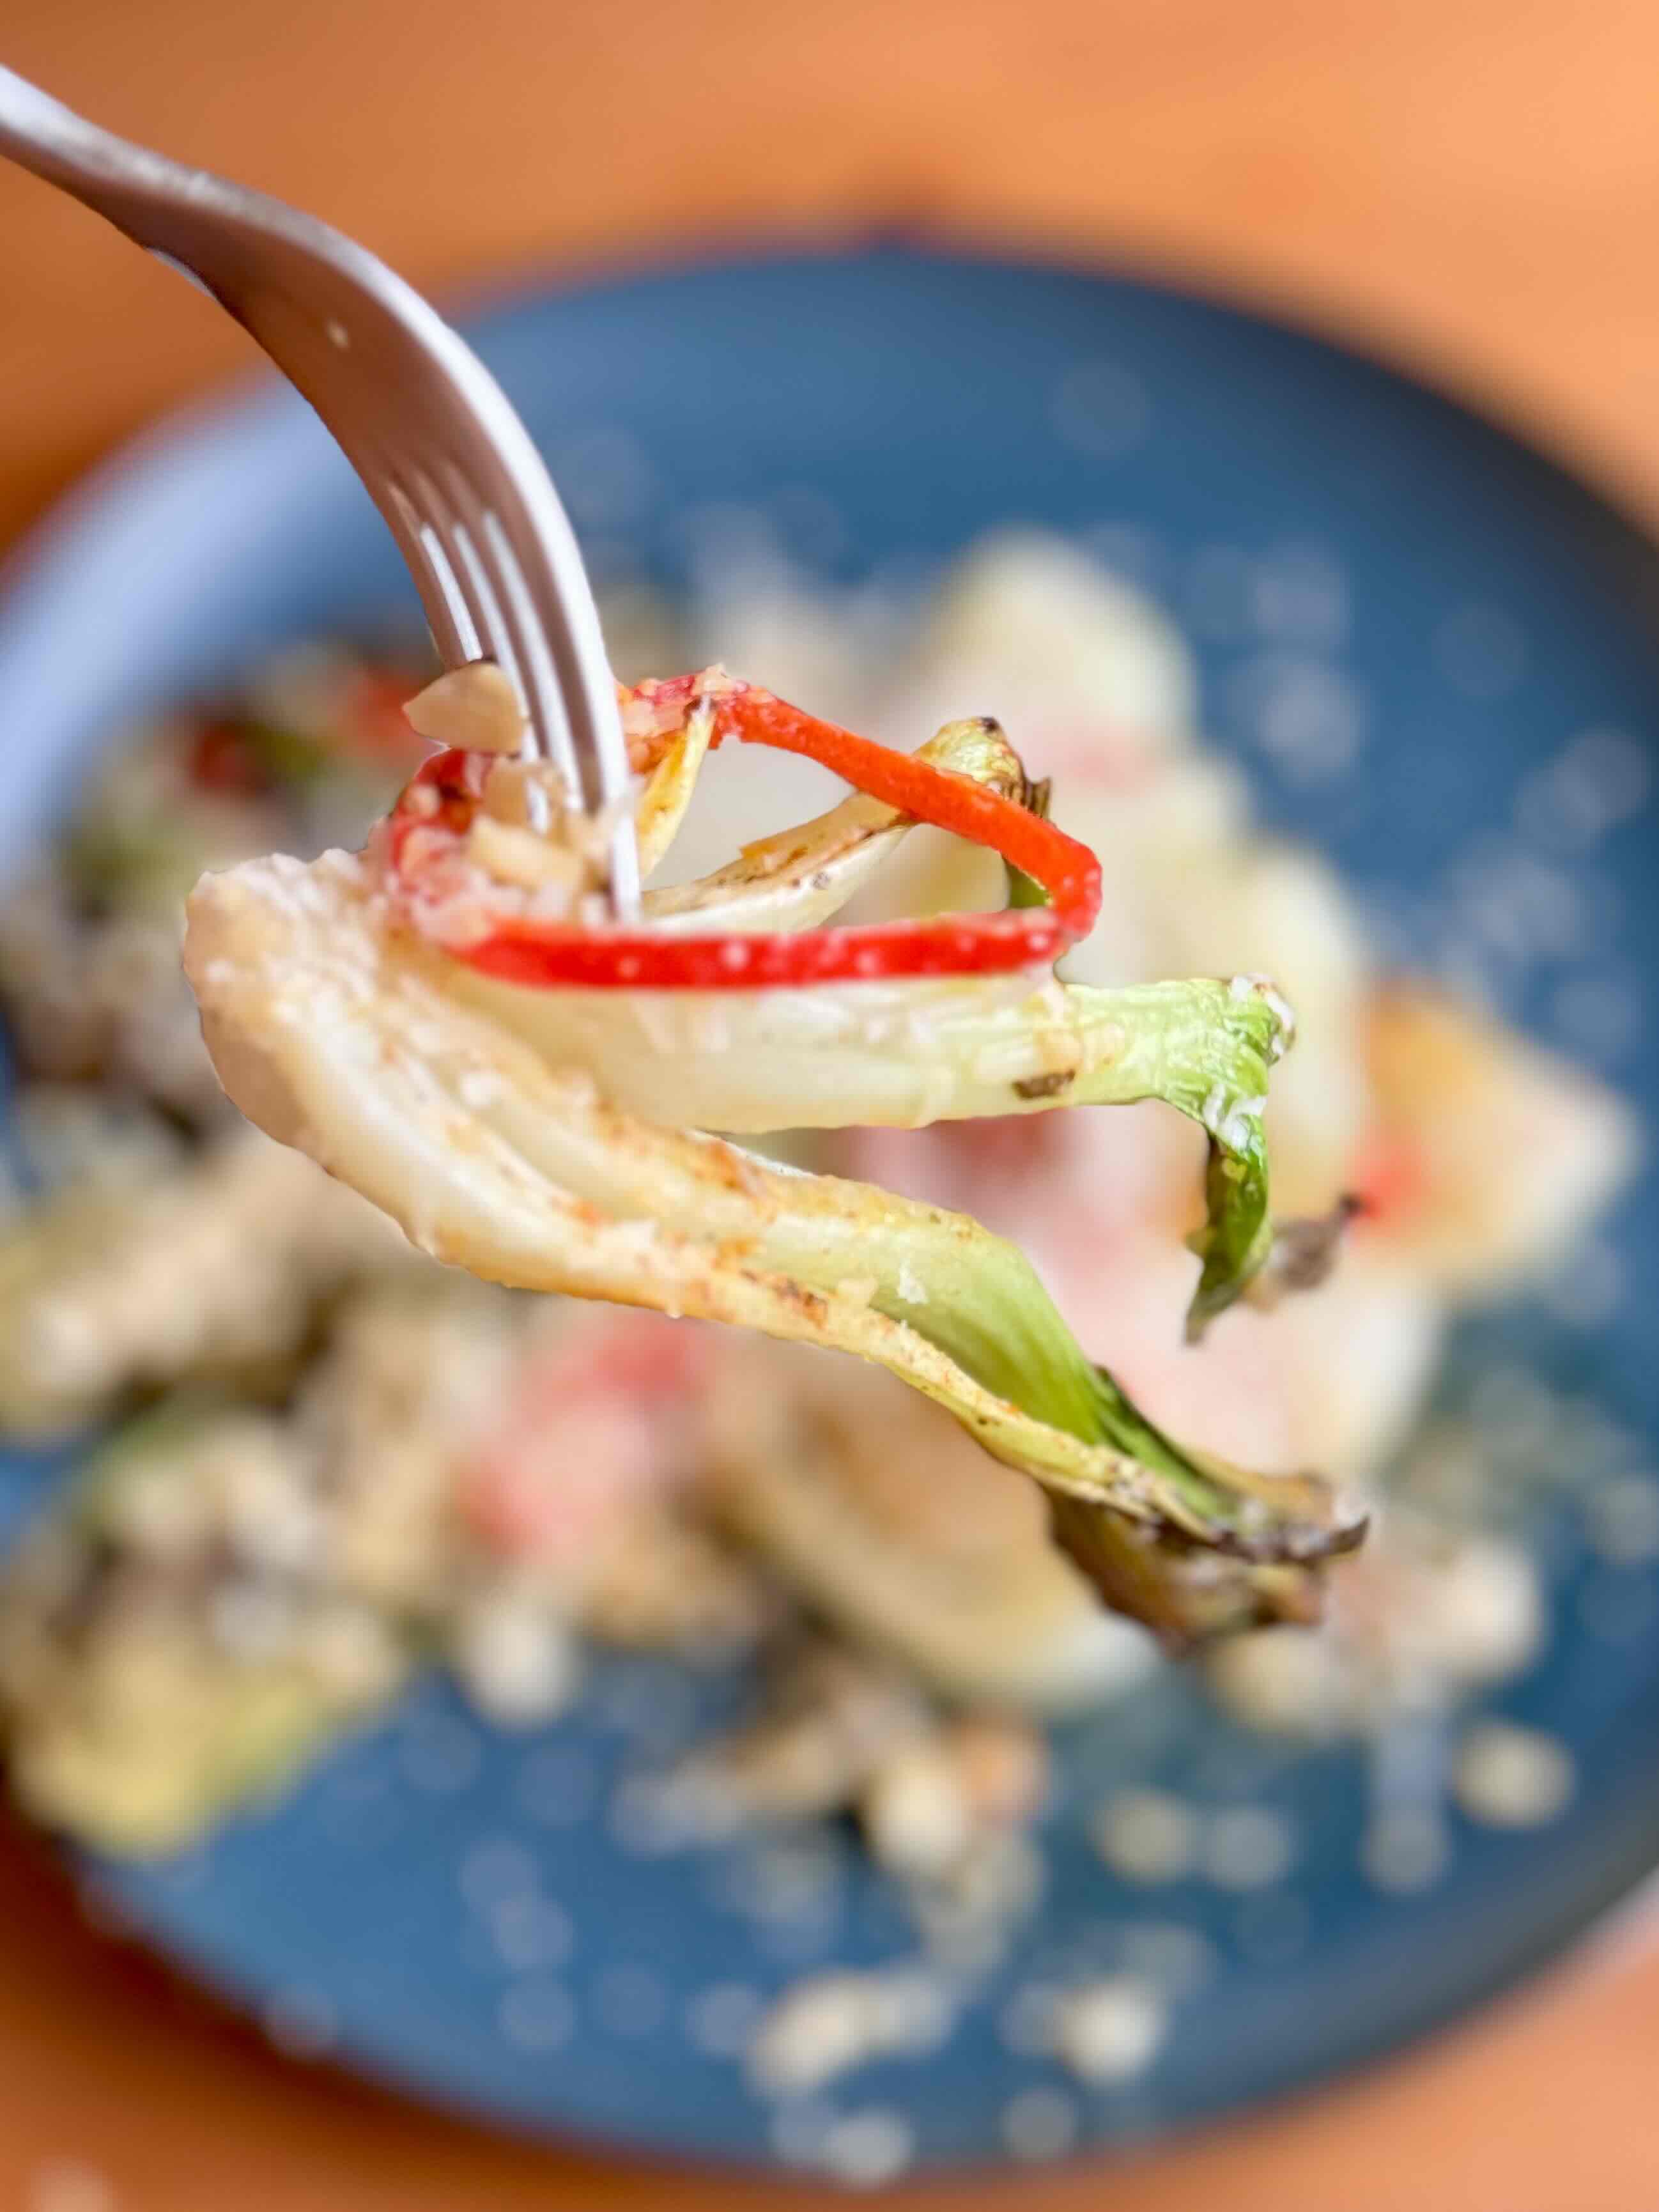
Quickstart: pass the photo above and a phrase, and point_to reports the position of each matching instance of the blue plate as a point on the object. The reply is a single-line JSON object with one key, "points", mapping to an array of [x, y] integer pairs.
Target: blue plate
{"points": [[1405, 620]]}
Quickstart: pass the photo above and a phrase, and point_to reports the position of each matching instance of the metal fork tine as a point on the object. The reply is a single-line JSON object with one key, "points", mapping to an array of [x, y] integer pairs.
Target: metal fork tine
{"points": [[535, 659], [469, 645], [440, 521], [532, 665], [447, 609], [496, 636]]}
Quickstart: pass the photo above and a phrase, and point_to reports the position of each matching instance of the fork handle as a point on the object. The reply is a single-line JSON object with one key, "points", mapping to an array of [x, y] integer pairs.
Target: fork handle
{"points": [[132, 186], [40, 134], [44, 135]]}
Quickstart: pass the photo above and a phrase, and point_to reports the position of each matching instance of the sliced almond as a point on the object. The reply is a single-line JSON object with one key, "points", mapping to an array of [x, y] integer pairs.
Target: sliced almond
{"points": [[518, 856], [474, 708], [506, 793]]}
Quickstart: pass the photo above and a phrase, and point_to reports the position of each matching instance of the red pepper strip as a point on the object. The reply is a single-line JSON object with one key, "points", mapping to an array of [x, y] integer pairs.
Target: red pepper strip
{"points": [[521, 950]]}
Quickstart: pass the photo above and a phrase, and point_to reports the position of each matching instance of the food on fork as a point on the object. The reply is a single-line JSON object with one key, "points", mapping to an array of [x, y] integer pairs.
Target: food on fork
{"points": [[451, 1023]]}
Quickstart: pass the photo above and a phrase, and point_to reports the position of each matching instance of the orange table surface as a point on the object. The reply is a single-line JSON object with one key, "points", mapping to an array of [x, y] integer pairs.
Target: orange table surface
{"points": [[1470, 185]]}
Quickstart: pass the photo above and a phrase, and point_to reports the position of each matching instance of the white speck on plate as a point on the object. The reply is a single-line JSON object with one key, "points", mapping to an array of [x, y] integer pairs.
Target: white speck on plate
{"points": [[1248, 1847], [1299, 596], [1145, 1835], [1175, 1957], [1306, 714], [1602, 778], [516, 1663], [1038, 2123], [866, 2149], [537, 2015], [528, 1932], [720, 2020], [1607, 772], [1284, 1680], [1486, 1616], [1109, 2031], [798, 2130], [1509, 1777], [782, 1880], [495, 1868], [827, 2024], [915, 1814], [1405, 1848], [1515, 905], [651, 1814]]}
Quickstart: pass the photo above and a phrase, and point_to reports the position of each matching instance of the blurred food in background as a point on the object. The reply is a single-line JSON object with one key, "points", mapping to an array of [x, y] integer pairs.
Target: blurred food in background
{"points": [[328, 1463]]}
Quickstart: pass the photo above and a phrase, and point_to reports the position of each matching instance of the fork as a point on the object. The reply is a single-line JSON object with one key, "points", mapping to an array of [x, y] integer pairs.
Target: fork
{"points": [[430, 432]]}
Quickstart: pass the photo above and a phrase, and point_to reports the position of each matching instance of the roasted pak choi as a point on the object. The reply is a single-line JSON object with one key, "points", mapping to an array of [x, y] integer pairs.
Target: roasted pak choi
{"points": [[452, 1023]]}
